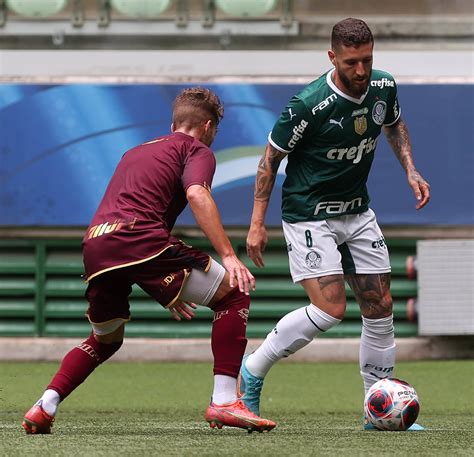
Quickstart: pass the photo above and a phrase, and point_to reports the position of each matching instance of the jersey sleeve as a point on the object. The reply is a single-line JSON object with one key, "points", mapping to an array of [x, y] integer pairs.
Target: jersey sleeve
{"points": [[199, 167], [393, 107], [290, 127]]}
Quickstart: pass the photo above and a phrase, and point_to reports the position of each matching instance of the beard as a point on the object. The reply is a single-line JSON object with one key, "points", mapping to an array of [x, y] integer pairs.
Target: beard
{"points": [[355, 90]]}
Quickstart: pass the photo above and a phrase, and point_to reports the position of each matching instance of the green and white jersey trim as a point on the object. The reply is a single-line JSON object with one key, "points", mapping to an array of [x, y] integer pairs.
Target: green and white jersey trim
{"points": [[330, 139]]}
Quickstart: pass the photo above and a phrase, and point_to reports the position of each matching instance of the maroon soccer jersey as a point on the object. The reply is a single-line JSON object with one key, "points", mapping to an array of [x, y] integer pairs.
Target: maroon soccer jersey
{"points": [[143, 199]]}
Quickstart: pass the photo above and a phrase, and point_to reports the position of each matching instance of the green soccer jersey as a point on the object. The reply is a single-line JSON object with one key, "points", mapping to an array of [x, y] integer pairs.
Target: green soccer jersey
{"points": [[330, 139]]}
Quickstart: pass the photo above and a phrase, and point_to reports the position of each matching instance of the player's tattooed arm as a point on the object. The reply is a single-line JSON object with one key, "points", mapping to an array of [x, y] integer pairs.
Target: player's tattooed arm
{"points": [[372, 293], [266, 172], [264, 182], [399, 139]]}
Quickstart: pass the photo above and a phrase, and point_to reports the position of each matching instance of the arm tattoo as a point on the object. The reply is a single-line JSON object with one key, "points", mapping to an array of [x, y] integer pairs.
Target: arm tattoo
{"points": [[372, 293], [266, 173], [399, 140]]}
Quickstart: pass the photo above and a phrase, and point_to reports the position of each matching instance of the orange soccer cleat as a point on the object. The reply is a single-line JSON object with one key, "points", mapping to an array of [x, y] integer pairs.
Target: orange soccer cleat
{"points": [[37, 421], [237, 415]]}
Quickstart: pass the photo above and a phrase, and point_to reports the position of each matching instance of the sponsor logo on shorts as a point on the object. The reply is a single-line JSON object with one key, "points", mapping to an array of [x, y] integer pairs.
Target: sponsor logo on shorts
{"points": [[109, 227], [380, 243], [324, 103], [168, 280], [354, 153], [297, 133], [381, 83], [313, 259], [379, 111], [337, 207]]}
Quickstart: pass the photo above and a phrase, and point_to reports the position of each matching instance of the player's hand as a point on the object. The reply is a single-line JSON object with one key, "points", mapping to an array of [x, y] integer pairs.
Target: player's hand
{"points": [[182, 309], [420, 187], [238, 271], [256, 242]]}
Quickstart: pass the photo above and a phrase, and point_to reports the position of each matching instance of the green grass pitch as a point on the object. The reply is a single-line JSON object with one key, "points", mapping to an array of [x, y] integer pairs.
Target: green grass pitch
{"points": [[148, 409]]}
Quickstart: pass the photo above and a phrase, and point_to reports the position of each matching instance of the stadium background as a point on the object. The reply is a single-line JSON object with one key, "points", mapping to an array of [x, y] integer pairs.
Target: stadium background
{"points": [[81, 85]]}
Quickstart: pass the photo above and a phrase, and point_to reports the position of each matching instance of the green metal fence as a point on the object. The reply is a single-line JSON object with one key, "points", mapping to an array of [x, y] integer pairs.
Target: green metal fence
{"points": [[42, 293]]}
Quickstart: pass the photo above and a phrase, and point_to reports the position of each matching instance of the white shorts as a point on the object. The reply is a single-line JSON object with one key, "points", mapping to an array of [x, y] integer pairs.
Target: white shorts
{"points": [[351, 244]]}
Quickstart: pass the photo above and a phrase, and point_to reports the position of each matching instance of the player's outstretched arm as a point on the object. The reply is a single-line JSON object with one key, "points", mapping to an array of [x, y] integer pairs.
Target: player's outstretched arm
{"points": [[399, 139], [264, 182], [207, 216]]}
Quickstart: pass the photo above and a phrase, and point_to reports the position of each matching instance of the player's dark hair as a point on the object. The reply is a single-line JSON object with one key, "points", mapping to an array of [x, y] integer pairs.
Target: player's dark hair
{"points": [[351, 32], [195, 106]]}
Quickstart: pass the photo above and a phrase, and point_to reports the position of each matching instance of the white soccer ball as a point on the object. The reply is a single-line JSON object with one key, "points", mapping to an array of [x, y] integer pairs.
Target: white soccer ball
{"points": [[391, 404]]}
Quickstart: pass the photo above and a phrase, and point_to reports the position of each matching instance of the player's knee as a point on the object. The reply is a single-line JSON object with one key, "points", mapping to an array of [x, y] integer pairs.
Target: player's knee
{"points": [[233, 299], [377, 309], [107, 350], [335, 310]]}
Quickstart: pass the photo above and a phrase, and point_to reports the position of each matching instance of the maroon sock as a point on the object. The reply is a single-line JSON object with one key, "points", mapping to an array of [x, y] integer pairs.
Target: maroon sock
{"points": [[228, 339], [79, 363]]}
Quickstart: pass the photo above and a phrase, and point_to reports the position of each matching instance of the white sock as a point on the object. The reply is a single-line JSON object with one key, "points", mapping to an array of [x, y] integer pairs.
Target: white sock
{"points": [[292, 332], [225, 389], [49, 401], [377, 350]]}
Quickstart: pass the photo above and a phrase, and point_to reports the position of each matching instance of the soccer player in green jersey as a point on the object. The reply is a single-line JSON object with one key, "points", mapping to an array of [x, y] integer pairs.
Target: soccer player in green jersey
{"points": [[329, 134]]}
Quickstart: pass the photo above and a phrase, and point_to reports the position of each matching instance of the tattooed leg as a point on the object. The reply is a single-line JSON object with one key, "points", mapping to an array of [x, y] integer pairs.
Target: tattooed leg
{"points": [[327, 293], [372, 292], [377, 342]]}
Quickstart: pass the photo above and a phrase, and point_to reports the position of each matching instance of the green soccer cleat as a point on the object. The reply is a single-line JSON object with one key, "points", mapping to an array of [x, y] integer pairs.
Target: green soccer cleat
{"points": [[249, 388]]}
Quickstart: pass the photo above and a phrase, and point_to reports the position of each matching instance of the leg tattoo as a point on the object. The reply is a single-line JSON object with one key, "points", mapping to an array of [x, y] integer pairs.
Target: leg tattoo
{"points": [[372, 293]]}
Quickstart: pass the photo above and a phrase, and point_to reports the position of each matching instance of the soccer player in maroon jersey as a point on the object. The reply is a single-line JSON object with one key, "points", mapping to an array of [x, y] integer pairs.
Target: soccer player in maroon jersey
{"points": [[129, 242]]}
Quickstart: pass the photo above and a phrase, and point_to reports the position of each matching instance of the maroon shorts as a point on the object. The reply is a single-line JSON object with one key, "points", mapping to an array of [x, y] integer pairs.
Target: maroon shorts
{"points": [[161, 277]]}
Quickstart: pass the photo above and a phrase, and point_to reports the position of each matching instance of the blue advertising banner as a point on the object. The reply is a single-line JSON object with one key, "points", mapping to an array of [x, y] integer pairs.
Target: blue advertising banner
{"points": [[59, 145]]}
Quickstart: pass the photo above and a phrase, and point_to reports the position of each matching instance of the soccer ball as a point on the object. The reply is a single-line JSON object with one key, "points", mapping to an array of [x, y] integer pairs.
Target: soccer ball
{"points": [[391, 404]]}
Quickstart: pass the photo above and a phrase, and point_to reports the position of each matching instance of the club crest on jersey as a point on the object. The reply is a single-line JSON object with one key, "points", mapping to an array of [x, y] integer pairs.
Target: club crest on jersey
{"points": [[360, 125], [379, 111], [313, 259]]}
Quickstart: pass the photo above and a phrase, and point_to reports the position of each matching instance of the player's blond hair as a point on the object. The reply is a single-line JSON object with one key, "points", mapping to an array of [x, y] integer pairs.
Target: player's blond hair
{"points": [[195, 106]]}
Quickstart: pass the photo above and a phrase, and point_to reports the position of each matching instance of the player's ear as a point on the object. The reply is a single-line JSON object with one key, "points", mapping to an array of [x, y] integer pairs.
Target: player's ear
{"points": [[208, 126], [332, 57]]}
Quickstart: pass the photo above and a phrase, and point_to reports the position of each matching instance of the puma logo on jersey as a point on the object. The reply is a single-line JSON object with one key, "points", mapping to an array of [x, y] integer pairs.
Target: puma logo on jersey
{"points": [[290, 111], [354, 153], [339, 123]]}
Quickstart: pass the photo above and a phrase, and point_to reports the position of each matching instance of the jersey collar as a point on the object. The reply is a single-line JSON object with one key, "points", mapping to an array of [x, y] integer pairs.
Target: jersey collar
{"points": [[342, 94]]}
